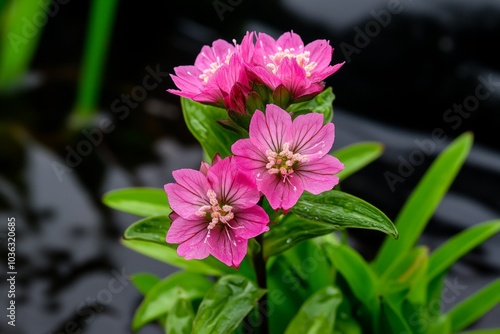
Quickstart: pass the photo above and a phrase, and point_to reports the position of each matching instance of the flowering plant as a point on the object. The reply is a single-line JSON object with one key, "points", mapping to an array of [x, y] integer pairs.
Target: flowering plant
{"points": [[259, 213]]}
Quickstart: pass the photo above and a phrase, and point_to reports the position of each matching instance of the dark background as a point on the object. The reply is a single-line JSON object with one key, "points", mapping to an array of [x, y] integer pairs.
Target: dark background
{"points": [[395, 88]]}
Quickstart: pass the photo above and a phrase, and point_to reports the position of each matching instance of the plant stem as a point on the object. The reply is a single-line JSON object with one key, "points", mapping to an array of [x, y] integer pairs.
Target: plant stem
{"points": [[260, 272]]}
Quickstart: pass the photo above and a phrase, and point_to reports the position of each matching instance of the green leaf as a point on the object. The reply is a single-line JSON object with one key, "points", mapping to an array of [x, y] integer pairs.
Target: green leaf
{"points": [[19, 36], [317, 314], [161, 298], [358, 275], [356, 156], [448, 253], [147, 236], [139, 201], [202, 120], [144, 281], [168, 254], [226, 304], [180, 318], [342, 210], [392, 321], [321, 103], [149, 229], [441, 325], [424, 200], [294, 275], [291, 231], [475, 306]]}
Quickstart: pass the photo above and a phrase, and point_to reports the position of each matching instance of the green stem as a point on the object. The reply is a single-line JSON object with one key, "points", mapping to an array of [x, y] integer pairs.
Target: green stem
{"points": [[260, 272]]}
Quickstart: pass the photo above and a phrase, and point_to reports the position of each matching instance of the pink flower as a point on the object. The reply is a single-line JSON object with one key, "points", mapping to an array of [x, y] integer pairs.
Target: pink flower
{"points": [[218, 76], [288, 157], [286, 61], [215, 212]]}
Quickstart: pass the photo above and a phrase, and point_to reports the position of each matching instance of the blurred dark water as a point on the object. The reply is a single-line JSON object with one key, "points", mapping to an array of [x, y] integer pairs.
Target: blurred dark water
{"points": [[396, 88]]}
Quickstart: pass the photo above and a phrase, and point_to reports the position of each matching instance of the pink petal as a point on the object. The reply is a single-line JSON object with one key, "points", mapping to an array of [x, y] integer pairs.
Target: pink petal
{"points": [[272, 130], [320, 53], [225, 247], [246, 49], [311, 137], [191, 235], [293, 77], [263, 75], [323, 74], [189, 193], [216, 54], [264, 47], [281, 194], [232, 186], [290, 40], [248, 156], [318, 176], [250, 222]]}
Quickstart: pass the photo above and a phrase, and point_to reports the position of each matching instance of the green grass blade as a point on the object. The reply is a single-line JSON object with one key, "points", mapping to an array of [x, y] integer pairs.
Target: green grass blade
{"points": [[424, 200], [483, 331], [99, 31], [448, 253], [475, 306]]}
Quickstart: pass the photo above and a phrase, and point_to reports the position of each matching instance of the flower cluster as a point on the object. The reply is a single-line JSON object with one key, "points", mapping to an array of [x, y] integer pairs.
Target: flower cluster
{"points": [[225, 74], [216, 209]]}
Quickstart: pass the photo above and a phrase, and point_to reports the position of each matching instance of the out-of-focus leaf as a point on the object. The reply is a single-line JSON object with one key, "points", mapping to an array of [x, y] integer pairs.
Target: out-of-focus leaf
{"points": [[449, 252], [139, 201], [424, 200], [226, 304], [317, 314], [20, 30], [180, 318], [356, 156], [475, 306], [358, 274], [161, 298], [144, 281], [391, 319]]}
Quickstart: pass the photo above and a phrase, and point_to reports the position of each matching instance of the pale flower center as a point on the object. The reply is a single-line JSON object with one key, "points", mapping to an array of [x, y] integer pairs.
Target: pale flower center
{"points": [[213, 67], [283, 162], [301, 58], [217, 215]]}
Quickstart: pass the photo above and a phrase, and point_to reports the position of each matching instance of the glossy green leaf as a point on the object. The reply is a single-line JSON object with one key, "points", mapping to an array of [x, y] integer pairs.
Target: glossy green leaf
{"points": [[317, 314], [358, 274], [356, 156], [161, 298], [448, 253], [475, 306], [342, 210], [144, 281], [139, 201], [180, 318], [226, 304], [202, 121], [321, 103], [424, 200]]}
